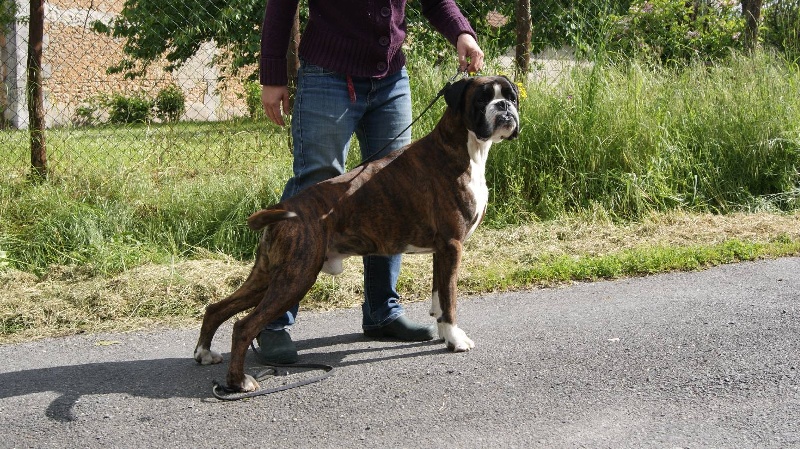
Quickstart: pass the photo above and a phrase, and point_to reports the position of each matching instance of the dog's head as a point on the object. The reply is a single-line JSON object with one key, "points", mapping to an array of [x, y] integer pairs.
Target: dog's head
{"points": [[489, 105]]}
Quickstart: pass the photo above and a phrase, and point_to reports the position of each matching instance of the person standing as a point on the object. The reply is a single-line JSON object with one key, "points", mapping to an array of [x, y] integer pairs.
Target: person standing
{"points": [[352, 80]]}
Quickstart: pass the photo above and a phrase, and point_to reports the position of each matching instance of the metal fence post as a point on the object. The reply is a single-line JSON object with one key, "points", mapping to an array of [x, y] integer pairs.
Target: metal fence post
{"points": [[12, 60]]}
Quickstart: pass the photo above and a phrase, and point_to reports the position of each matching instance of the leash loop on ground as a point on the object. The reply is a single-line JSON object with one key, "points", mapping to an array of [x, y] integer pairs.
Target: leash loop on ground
{"points": [[224, 393]]}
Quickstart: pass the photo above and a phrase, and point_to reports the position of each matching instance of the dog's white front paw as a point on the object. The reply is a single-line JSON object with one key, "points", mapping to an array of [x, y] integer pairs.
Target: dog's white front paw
{"points": [[206, 356], [455, 338]]}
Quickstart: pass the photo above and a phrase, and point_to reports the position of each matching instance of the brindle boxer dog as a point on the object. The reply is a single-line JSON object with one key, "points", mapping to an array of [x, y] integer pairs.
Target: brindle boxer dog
{"points": [[427, 197]]}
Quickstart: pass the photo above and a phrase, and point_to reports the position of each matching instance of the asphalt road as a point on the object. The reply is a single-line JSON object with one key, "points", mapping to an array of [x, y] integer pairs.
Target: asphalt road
{"points": [[707, 359]]}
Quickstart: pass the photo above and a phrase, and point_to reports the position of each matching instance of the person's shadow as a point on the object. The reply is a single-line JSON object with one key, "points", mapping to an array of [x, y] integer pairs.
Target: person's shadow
{"points": [[171, 377]]}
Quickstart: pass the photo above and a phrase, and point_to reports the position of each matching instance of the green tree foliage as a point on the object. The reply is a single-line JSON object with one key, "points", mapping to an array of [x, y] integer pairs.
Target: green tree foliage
{"points": [[153, 29], [577, 23], [580, 24], [676, 31], [662, 30]]}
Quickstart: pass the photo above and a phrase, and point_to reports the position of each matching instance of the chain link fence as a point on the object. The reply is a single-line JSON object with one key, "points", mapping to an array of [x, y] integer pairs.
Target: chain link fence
{"points": [[144, 82], [104, 108]]}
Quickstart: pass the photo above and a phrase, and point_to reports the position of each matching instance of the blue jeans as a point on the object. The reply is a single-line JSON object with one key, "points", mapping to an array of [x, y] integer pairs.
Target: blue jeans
{"points": [[328, 109]]}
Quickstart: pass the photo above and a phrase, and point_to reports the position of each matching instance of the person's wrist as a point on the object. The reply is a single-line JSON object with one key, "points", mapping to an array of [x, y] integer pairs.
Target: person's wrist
{"points": [[465, 35]]}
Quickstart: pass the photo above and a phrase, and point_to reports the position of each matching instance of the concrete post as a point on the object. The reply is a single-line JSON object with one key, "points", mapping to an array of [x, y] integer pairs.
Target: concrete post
{"points": [[12, 58]]}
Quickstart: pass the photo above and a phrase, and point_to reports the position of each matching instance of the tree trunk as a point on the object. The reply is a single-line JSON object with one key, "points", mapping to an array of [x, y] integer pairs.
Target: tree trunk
{"points": [[34, 92], [523, 49], [751, 9]]}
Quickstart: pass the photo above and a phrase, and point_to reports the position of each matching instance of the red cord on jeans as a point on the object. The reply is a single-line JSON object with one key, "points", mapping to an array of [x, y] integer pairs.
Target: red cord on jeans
{"points": [[351, 89]]}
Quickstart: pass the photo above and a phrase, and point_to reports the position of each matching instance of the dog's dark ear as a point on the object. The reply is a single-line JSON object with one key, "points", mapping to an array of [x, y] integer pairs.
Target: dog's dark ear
{"points": [[516, 89], [455, 93]]}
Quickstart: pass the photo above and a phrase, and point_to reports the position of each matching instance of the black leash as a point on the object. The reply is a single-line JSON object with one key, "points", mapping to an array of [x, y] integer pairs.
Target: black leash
{"points": [[224, 393], [430, 105]]}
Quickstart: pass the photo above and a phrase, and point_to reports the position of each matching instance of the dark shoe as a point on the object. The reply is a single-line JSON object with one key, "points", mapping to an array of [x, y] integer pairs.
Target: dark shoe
{"points": [[403, 329], [276, 347]]}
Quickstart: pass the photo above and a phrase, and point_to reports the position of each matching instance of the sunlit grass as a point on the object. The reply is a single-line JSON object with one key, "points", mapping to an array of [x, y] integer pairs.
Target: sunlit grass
{"points": [[608, 146], [631, 140], [621, 141], [70, 299]]}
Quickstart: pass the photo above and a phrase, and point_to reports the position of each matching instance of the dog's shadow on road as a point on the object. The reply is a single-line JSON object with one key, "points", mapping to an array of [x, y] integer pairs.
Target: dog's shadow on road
{"points": [[174, 377], [337, 358]]}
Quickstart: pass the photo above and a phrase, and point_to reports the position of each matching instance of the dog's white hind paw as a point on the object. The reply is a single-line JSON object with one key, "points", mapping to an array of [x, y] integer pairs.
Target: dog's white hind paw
{"points": [[207, 357], [455, 338], [249, 383]]}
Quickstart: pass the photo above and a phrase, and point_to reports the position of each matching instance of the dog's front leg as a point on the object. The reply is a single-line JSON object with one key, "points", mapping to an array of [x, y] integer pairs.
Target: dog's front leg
{"points": [[436, 305], [446, 262]]}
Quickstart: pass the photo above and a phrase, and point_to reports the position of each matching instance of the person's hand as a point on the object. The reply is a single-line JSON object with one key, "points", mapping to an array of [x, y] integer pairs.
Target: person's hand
{"points": [[275, 100], [470, 55]]}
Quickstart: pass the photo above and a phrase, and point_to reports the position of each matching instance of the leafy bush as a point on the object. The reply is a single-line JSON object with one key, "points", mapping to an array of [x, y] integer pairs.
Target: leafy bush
{"points": [[92, 111], [86, 115], [556, 23], [676, 31], [782, 27], [170, 103], [580, 24], [252, 93], [133, 109]]}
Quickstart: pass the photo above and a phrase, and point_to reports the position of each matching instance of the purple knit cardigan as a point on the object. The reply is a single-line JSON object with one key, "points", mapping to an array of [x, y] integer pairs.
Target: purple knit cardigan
{"points": [[361, 38]]}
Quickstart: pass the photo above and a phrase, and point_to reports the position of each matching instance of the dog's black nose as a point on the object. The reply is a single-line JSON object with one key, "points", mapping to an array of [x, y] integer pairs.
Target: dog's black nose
{"points": [[506, 117]]}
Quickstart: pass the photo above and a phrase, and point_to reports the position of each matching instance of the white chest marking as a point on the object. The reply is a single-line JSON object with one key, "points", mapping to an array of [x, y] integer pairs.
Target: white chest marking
{"points": [[478, 154]]}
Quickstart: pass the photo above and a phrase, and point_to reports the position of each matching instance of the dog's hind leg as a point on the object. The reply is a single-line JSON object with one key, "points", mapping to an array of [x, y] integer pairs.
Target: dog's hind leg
{"points": [[247, 296], [284, 292], [445, 266]]}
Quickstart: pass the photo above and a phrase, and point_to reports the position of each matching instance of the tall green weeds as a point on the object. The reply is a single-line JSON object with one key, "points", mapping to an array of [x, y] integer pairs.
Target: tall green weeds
{"points": [[617, 141], [628, 140]]}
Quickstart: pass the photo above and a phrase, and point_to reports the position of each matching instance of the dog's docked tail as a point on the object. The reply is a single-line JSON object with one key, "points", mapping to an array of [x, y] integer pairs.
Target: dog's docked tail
{"points": [[267, 216]]}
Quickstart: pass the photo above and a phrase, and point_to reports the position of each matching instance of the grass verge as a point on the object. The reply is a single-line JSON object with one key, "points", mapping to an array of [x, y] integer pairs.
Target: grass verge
{"points": [[146, 224], [69, 300]]}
